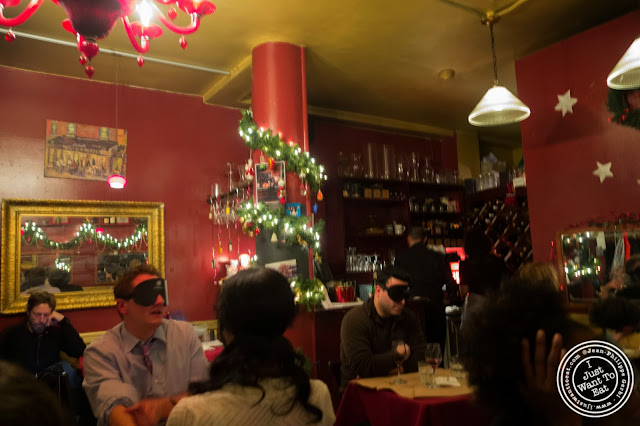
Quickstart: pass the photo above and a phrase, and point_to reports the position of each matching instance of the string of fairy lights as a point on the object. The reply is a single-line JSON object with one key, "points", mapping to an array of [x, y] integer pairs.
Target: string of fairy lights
{"points": [[32, 234]]}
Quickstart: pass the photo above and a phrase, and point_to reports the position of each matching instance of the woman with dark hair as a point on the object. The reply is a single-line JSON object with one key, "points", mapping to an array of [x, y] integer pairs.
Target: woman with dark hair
{"points": [[258, 379]]}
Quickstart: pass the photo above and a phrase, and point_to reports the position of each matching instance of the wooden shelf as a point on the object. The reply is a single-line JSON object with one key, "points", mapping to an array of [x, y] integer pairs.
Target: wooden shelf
{"points": [[439, 215], [373, 200], [492, 194]]}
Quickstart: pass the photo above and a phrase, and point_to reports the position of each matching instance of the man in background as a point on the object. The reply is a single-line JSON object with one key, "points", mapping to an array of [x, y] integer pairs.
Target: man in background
{"points": [[367, 331], [35, 344], [138, 371], [428, 272]]}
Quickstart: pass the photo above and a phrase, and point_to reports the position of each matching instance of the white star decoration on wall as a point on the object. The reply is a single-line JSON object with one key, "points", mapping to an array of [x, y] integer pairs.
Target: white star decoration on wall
{"points": [[566, 103], [603, 171]]}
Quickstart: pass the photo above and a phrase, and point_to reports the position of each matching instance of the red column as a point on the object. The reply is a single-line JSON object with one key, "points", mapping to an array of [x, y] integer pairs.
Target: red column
{"points": [[279, 102]]}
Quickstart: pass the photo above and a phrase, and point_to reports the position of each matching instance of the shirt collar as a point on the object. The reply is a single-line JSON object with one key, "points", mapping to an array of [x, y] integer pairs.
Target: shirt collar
{"points": [[130, 341]]}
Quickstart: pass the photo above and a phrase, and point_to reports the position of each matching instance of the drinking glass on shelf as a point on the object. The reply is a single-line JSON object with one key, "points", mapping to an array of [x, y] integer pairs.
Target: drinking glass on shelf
{"points": [[398, 352], [433, 356]]}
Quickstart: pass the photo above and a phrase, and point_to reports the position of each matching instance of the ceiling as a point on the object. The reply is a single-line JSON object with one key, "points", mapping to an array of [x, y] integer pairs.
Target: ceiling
{"points": [[366, 60]]}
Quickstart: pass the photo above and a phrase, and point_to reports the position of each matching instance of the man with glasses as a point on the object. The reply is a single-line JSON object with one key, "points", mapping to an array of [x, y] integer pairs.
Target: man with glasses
{"points": [[367, 331], [137, 371]]}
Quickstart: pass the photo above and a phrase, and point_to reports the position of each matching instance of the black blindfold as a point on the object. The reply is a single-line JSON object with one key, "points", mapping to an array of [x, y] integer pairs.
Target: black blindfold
{"points": [[146, 293], [398, 293]]}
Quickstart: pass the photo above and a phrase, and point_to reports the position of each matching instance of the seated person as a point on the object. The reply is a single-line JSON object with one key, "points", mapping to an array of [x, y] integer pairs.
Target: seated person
{"points": [[137, 371], [27, 402], [367, 331], [627, 284], [36, 280], [62, 279], [258, 379], [506, 356], [35, 344], [539, 272]]}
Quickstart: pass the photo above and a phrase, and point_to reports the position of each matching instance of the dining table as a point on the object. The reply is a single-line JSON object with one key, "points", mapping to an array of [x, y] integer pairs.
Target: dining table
{"points": [[378, 402]]}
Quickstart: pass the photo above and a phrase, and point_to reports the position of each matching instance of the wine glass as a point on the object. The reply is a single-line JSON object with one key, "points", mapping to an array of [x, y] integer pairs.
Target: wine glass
{"points": [[398, 352], [433, 356]]}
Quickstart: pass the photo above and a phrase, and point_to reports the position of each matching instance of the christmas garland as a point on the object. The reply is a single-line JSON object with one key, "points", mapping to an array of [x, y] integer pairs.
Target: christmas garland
{"points": [[308, 292], [273, 146], [32, 235], [256, 218], [617, 104]]}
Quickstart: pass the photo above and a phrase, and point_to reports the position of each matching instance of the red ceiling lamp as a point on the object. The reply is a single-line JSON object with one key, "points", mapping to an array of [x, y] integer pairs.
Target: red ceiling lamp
{"points": [[92, 20]]}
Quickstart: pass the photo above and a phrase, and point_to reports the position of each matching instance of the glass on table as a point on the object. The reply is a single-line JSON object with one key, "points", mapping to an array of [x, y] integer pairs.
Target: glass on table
{"points": [[433, 356], [426, 373], [398, 352]]}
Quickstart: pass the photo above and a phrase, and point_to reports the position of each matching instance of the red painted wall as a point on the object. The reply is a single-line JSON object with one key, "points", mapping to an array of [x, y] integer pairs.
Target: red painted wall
{"points": [[177, 147], [560, 153]]}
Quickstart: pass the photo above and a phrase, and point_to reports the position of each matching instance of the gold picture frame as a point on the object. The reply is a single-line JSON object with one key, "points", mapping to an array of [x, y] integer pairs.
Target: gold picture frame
{"points": [[12, 301]]}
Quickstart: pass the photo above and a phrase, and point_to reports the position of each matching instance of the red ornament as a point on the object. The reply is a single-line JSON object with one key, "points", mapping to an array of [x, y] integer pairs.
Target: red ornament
{"points": [[9, 36], [256, 231], [282, 200], [183, 42], [89, 71], [320, 196], [82, 59], [140, 61], [172, 14], [271, 163], [22, 232], [89, 48]]}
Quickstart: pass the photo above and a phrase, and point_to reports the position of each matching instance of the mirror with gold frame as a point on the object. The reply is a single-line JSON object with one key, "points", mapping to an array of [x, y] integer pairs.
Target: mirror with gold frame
{"points": [[75, 249], [590, 257]]}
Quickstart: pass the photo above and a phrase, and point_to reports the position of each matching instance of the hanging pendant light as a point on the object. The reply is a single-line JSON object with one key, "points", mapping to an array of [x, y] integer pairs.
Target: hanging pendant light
{"points": [[626, 74], [498, 106]]}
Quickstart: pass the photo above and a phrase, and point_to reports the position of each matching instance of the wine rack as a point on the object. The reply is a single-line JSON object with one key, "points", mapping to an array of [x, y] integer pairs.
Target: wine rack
{"points": [[504, 216]]}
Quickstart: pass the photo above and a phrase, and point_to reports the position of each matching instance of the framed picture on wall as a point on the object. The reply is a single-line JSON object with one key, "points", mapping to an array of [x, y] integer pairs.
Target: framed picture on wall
{"points": [[267, 182], [293, 209], [60, 220], [122, 220]]}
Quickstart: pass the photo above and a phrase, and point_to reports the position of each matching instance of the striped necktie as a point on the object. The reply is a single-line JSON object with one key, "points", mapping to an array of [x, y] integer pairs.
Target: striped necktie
{"points": [[146, 354]]}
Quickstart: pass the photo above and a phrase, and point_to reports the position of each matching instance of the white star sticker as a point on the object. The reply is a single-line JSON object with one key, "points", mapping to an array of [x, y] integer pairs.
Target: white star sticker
{"points": [[603, 171], [566, 103]]}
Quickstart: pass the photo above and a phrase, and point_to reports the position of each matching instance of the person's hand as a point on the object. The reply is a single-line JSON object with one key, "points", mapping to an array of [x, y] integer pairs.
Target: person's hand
{"points": [[150, 411], [55, 318], [404, 350]]}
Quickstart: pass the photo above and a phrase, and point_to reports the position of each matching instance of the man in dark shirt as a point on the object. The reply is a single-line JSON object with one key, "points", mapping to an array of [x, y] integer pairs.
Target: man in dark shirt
{"points": [[36, 343], [367, 331], [428, 273]]}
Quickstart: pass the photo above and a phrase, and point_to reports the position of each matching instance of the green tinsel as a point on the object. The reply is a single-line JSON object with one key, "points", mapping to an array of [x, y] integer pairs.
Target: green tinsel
{"points": [[617, 104], [273, 146], [309, 292], [33, 235], [257, 218]]}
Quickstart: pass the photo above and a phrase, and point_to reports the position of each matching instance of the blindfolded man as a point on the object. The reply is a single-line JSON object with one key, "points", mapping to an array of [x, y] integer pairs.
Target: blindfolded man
{"points": [[367, 331], [137, 371]]}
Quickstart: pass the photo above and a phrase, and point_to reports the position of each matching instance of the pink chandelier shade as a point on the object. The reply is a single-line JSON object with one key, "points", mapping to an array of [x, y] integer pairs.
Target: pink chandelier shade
{"points": [[117, 181], [92, 20]]}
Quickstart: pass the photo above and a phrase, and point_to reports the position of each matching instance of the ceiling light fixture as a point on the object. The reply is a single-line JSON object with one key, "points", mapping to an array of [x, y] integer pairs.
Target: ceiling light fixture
{"points": [[498, 106], [92, 20], [626, 74], [117, 181]]}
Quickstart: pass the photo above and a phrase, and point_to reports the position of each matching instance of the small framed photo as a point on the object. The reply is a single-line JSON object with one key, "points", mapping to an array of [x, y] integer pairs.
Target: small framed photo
{"points": [[122, 220], [60, 220], [266, 182], [288, 268], [293, 209]]}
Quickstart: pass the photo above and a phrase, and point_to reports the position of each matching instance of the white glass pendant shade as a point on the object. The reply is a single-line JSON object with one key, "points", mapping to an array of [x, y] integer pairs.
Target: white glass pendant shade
{"points": [[626, 74], [498, 107]]}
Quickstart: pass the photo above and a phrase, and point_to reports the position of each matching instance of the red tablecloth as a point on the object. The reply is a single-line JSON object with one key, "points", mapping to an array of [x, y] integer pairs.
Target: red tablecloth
{"points": [[384, 408]]}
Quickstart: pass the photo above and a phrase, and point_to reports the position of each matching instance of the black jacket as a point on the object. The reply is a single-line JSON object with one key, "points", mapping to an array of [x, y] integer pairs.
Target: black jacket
{"points": [[365, 342], [429, 271], [36, 352]]}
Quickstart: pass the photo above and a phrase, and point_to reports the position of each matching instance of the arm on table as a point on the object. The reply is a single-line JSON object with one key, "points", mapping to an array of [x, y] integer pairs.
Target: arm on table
{"points": [[151, 410], [354, 335]]}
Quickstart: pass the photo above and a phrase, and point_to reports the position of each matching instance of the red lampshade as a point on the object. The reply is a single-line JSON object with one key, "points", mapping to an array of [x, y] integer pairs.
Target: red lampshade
{"points": [[117, 181]]}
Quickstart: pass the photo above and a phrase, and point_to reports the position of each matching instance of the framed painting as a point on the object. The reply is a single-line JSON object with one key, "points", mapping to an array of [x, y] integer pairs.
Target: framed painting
{"points": [[267, 180]]}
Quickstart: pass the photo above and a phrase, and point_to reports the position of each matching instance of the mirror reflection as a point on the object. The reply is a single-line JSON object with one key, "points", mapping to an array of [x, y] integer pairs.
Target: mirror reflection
{"points": [[593, 258], [75, 249], [63, 253]]}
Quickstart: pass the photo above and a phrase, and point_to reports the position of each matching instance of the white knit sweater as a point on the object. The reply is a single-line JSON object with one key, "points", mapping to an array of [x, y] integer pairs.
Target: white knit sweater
{"points": [[236, 405]]}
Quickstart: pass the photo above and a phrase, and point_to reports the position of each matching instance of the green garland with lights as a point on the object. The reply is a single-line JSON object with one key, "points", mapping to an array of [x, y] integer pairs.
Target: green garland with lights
{"points": [[34, 235], [617, 104], [273, 146], [257, 218], [308, 292]]}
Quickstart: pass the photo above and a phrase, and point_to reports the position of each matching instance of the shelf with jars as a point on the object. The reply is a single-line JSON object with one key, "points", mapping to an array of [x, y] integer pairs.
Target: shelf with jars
{"points": [[504, 216]]}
